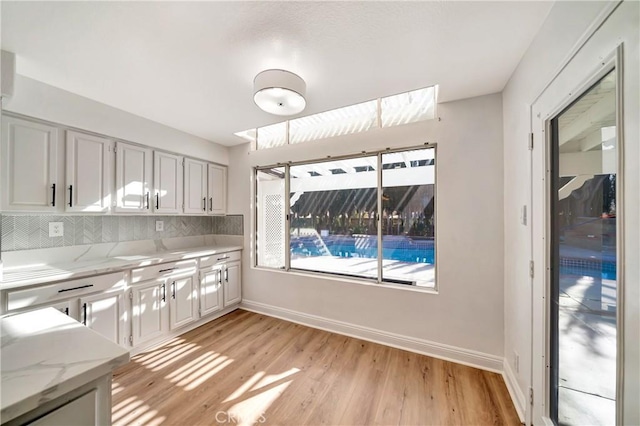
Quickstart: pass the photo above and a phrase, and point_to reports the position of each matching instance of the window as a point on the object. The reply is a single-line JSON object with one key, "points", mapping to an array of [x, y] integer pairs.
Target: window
{"points": [[370, 216], [395, 110]]}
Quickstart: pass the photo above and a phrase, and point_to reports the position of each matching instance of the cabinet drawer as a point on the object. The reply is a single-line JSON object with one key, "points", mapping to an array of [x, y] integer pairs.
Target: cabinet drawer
{"points": [[164, 270], [18, 299], [220, 258]]}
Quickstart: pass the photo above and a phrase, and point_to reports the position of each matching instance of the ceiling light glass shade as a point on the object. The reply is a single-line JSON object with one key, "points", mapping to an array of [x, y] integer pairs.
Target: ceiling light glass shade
{"points": [[279, 92]]}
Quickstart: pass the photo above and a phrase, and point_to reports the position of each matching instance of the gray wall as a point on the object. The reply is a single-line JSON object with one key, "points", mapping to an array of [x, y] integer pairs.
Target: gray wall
{"points": [[25, 232], [467, 313]]}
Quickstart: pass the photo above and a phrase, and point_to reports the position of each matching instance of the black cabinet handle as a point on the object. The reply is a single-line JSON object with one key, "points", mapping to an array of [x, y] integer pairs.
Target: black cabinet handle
{"points": [[66, 311], [53, 196], [164, 293], [204, 204], [220, 278], [224, 257], [226, 275], [210, 204], [70, 195], [84, 314], [167, 270], [147, 200], [75, 288], [157, 200], [173, 290]]}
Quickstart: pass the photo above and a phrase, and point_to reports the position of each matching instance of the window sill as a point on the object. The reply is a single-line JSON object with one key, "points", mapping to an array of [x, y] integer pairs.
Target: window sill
{"points": [[353, 280]]}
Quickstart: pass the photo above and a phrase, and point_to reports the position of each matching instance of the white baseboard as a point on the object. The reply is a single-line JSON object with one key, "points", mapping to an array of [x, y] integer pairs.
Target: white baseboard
{"points": [[518, 398], [437, 350]]}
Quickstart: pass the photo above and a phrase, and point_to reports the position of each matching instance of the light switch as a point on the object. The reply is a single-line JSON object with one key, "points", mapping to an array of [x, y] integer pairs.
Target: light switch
{"points": [[159, 225], [56, 229]]}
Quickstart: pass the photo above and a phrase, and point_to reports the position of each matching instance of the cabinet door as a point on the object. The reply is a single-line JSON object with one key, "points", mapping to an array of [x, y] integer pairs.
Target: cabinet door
{"points": [[183, 305], [30, 162], [133, 178], [88, 173], [195, 186], [64, 307], [217, 189], [211, 291], [167, 183], [149, 320], [232, 284], [103, 314], [79, 411]]}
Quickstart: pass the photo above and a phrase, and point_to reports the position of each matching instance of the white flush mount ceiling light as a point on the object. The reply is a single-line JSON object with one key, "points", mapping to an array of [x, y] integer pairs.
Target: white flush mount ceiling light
{"points": [[279, 92]]}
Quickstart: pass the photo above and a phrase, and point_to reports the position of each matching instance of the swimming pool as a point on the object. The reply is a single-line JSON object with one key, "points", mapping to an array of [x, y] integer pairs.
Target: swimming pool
{"points": [[404, 249]]}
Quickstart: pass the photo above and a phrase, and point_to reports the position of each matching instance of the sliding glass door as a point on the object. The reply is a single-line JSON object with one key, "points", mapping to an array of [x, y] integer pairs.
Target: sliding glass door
{"points": [[584, 257]]}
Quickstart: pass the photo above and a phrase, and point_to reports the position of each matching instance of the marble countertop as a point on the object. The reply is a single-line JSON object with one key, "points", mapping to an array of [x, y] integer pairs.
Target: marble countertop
{"points": [[41, 273], [45, 354]]}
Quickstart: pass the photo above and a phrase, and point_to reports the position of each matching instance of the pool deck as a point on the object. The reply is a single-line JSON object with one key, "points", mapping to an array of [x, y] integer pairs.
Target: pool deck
{"points": [[422, 273]]}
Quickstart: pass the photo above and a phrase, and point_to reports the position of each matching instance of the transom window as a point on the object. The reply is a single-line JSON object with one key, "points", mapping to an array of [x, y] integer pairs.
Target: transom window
{"points": [[369, 216], [395, 110]]}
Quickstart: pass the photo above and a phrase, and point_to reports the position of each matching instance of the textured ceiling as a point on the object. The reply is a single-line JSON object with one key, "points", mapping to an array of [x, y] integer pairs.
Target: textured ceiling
{"points": [[191, 65]]}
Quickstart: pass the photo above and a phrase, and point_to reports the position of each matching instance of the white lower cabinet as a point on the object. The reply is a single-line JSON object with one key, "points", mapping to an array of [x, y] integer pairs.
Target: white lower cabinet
{"points": [[96, 301], [232, 284], [183, 306], [80, 411], [166, 302], [211, 290], [64, 307], [103, 313], [220, 282], [147, 317], [144, 306]]}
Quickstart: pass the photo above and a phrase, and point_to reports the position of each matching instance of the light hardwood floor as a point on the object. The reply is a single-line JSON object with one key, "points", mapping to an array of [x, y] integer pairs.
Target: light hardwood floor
{"points": [[247, 368]]}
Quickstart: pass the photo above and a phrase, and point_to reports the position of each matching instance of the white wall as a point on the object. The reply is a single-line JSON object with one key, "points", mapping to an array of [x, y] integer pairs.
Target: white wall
{"points": [[36, 99], [565, 26], [467, 313]]}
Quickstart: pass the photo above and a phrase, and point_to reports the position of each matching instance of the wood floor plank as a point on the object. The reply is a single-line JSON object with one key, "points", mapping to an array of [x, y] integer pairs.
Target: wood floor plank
{"points": [[246, 368]]}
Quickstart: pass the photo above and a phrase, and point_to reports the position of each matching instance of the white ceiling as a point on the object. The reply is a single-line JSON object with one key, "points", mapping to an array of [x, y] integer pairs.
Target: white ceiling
{"points": [[191, 65]]}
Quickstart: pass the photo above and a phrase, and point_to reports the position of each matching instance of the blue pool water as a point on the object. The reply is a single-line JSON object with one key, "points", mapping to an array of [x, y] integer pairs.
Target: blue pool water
{"points": [[607, 271], [407, 249], [403, 249]]}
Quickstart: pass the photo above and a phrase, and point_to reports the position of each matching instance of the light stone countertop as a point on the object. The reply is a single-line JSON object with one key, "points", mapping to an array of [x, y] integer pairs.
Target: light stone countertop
{"points": [[42, 273], [46, 354]]}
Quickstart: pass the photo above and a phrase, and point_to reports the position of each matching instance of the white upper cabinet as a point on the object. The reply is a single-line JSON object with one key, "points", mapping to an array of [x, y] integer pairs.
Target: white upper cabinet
{"points": [[195, 186], [133, 178], [167, 183], [31, 160], [88, 174], [217, 189]]}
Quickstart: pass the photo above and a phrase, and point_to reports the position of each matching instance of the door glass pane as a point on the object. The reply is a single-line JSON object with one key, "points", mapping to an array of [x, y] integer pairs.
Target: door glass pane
{"points": [[408, 217], [584, 277], [333, 212], [270, 214]]}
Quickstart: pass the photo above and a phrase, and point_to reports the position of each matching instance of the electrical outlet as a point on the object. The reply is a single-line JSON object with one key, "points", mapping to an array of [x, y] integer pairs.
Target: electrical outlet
{"points": [[56, 229], [159, 225], [516, 361]]}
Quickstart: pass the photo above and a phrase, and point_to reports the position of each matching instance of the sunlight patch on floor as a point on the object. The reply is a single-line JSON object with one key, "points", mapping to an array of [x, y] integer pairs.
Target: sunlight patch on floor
{"points": [[133, 411], [245, 387], [252, 409], [204, 375]]}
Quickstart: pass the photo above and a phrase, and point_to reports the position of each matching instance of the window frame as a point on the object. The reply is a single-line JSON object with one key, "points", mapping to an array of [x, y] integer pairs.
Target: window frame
{"points": [[379, 280]]}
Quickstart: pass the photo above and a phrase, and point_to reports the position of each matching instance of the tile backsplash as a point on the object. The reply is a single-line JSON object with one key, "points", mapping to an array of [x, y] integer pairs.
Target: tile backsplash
{"points": [[25, 232]]}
